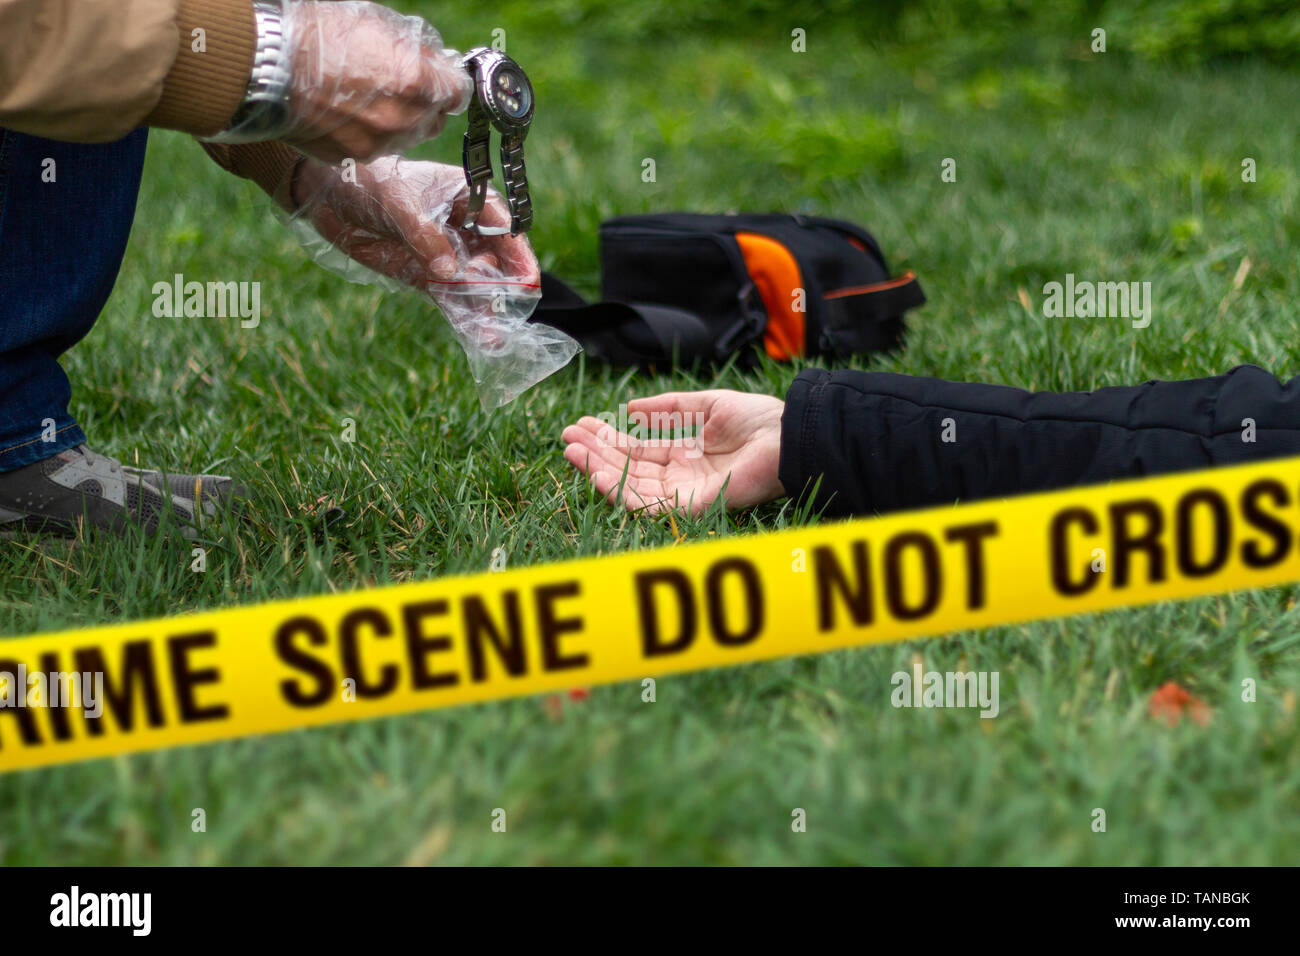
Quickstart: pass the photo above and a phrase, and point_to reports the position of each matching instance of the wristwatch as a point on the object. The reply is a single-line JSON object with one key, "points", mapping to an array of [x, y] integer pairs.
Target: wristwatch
{"points": [[503, 98], [264, 112]]}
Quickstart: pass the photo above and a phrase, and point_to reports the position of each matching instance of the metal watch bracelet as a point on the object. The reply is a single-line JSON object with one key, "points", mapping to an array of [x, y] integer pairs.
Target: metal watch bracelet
{"points": [[476, 159], [478, 174], [516, 183], [264, 112]]}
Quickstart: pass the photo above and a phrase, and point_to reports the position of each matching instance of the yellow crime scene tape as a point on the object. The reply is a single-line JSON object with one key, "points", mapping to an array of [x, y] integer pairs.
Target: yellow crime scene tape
{"points": [[411, 647]]}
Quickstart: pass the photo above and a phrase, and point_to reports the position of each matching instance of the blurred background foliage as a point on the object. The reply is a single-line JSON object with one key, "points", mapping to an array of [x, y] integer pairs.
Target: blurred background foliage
{"points": [[1182, 31]]}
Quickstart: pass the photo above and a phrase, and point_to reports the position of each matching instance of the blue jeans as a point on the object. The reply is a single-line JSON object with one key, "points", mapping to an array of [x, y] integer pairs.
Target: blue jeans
{"points": [[61, 244]]}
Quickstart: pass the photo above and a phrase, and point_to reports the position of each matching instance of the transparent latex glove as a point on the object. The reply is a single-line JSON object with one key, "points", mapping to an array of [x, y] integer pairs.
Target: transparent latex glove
{"points": [[365, 81], [395, 222]]}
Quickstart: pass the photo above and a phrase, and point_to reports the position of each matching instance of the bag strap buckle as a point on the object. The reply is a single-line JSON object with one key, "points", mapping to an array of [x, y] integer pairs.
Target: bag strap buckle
{"points": [[750, 325]]}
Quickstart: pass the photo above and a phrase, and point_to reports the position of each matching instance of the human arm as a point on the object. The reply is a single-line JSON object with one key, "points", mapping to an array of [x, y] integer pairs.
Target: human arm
{"points": [[873, 442]]}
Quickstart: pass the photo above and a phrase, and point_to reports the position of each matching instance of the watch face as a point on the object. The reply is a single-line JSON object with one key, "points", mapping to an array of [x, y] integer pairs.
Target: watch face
{"points": [[511, 93]]}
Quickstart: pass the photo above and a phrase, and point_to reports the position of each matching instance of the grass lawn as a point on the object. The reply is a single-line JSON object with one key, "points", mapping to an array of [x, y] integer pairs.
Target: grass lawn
{"points": [[1103, 166]]}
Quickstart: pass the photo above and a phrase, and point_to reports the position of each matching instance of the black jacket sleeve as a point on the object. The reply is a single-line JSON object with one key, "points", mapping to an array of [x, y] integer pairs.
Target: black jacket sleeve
{"points": [[879, 442]]}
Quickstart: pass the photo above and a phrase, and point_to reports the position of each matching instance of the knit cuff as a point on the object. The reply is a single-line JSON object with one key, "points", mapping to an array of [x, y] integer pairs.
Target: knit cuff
{"points": [[208, 80]]}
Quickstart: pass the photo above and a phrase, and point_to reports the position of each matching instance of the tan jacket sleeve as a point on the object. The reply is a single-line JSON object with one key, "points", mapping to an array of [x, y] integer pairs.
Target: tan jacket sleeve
{"points": [[270, 165], [93, 70]]}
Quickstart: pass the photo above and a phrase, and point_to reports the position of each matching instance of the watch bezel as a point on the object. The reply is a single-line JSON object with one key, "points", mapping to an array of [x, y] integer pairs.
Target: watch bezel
{"points": [[486, 63]]}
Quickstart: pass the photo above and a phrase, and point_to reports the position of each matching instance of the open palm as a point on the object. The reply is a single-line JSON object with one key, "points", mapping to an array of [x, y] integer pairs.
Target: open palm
{"points": [[737, 446]]}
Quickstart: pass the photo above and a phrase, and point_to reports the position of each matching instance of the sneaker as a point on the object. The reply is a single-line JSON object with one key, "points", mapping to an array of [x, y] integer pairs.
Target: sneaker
{"points": [[214, 492], [57, 495]]}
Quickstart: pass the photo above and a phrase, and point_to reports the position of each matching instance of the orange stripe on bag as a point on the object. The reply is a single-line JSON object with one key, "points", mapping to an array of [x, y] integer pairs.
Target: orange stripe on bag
{"points": [[904, 279], [775, 275]]}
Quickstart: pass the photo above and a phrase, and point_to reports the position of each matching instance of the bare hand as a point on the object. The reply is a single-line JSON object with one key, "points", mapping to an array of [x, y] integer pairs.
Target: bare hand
{"points": [[737, 445]]}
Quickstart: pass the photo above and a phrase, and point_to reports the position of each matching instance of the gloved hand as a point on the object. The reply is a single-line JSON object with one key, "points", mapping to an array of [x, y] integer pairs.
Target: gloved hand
{"points": [[366, 81], [401, 219]]}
